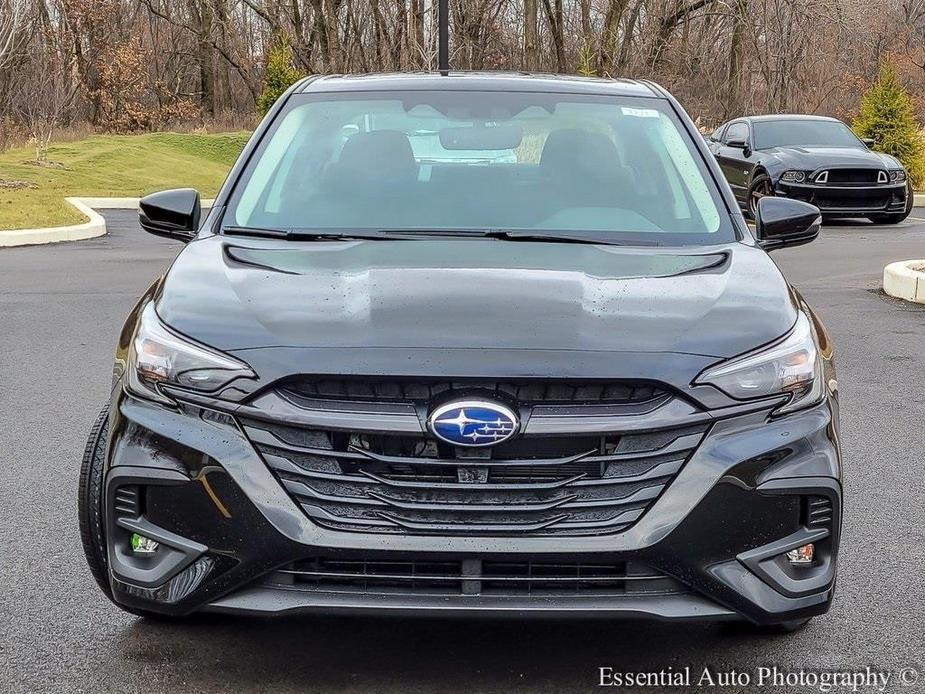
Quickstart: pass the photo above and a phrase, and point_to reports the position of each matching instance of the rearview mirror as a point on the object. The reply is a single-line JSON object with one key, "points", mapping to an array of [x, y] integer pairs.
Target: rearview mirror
{"points": [[782, 222], [171, 213], [482, 137]]}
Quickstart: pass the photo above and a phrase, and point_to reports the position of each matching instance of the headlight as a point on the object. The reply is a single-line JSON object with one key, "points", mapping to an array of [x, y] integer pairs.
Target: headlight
{"points": [[790, 366], [897, 175], [793, 176], [159, 356]]}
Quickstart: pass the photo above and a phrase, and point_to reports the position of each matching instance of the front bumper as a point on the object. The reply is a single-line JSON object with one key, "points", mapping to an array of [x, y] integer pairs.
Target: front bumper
{"points": [[847, 200], [232, 531]]}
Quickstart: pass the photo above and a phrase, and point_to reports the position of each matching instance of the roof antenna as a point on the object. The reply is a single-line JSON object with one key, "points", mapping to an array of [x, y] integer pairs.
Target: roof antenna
{"points": [[443, 37]]}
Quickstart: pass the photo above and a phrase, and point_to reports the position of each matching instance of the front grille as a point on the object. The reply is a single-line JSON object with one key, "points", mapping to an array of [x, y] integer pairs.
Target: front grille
{"points": [[553, 484], [472, 576], [525, 392], [873, 203], [837, 176]]}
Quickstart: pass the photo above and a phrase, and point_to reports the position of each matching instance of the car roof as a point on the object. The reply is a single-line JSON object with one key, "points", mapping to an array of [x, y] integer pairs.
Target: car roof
{"points": [[480, 81], [786, 116]]}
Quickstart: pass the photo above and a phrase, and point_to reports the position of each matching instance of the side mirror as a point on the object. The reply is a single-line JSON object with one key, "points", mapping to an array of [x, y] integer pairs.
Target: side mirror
{"points": [[869, 141], [171, 213], [737, 144], [782, 222]]}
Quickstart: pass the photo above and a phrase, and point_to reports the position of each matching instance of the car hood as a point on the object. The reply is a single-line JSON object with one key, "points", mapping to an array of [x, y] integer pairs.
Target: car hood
{"points": [[474, 294], [819, 157]]}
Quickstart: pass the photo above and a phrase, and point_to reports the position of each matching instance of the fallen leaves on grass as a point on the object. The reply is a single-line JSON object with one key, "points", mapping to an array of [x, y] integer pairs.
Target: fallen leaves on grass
{"points": [[8, 184], [44, 164]]}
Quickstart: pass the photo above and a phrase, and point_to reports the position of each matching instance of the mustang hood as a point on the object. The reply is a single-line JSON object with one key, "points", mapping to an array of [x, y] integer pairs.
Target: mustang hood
{"points": [[821, 157], [474, 294]]}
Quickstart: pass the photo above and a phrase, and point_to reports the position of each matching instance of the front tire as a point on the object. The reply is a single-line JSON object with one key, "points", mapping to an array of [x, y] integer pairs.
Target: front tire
{"points": [[90, 502], [90, 506], [760, 188]]}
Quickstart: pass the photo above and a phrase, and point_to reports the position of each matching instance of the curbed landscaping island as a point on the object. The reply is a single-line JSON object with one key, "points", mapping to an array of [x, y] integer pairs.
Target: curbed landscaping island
{"points": [[905, 280], [32, 193]]}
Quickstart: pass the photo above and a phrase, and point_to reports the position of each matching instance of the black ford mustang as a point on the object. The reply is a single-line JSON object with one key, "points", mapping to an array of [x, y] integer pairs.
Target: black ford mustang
{"points": [[811, 158], [478, 344]]}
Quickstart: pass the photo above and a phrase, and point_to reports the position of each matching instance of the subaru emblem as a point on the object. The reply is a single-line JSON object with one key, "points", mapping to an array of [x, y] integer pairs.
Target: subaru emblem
{"points": [[473, 423]]}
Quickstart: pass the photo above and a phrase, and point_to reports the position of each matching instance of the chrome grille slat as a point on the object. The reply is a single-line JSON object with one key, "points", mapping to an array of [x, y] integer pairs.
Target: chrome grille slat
{"points": [[430, 527], [536, 486], [571, 501], [384, 520], [664, 469], [680, 444], [454, 462], [474, 508]]}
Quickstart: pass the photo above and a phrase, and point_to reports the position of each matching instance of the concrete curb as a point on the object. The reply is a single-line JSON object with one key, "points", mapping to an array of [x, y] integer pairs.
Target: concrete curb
{"points": [[96, 226], [918, 200], [905, 280], [132, 203]]}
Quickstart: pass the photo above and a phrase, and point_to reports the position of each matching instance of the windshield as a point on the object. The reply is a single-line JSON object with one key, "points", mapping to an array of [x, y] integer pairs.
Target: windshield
{"points": [[464, 160], [810, 133]]}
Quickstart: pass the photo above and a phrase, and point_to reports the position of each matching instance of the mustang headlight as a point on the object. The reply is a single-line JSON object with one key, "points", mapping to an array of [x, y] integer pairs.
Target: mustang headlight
{"points": [[158, 355], [793, 176], [897, 175], [791, 366]]}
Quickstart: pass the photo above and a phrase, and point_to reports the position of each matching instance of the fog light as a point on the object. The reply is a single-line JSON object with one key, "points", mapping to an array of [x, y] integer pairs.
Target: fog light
{"points": [[801, 556], [142, 544]]}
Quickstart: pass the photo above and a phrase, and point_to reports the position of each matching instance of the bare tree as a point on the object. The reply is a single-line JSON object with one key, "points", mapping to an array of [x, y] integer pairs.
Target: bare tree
{"points": [[15, 18], [204, 59], [44, 97]]}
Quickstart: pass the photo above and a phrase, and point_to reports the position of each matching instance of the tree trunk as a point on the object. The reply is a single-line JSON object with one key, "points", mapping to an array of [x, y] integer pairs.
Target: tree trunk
{"points": [[608, 44], [418, 49], [586, 22], [530, 48], [681, 12], [555, 19], [399, 54], [380, 35], [626, 44], [736, 58], [202, 25]]}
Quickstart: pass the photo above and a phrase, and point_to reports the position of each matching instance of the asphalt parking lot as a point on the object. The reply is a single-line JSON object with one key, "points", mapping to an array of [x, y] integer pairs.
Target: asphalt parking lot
{"points": [[60, 310]]}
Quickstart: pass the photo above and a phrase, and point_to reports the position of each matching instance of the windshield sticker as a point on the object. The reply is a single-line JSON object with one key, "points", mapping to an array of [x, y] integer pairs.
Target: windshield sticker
{"points": [[639, 112]]}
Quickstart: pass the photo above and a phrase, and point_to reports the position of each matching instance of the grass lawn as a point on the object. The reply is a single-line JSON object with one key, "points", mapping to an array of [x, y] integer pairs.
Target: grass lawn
{"points": [[109, 165]]}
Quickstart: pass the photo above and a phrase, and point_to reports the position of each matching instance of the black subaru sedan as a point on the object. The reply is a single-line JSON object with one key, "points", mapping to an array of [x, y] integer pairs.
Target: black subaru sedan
{"points": [[811, 158], [471, 344]]}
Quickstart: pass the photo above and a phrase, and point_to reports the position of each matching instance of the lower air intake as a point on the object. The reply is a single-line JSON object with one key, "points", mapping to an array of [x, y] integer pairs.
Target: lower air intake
{"points": [[473, 577]]}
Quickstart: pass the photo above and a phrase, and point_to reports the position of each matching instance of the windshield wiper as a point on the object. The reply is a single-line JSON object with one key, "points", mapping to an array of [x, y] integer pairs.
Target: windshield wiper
{"points": [[307, 234], [411, 234], [509, 235]]}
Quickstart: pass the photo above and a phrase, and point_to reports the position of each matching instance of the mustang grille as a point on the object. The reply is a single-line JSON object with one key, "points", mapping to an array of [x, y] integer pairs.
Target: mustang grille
{"points": [[836, 176]]}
